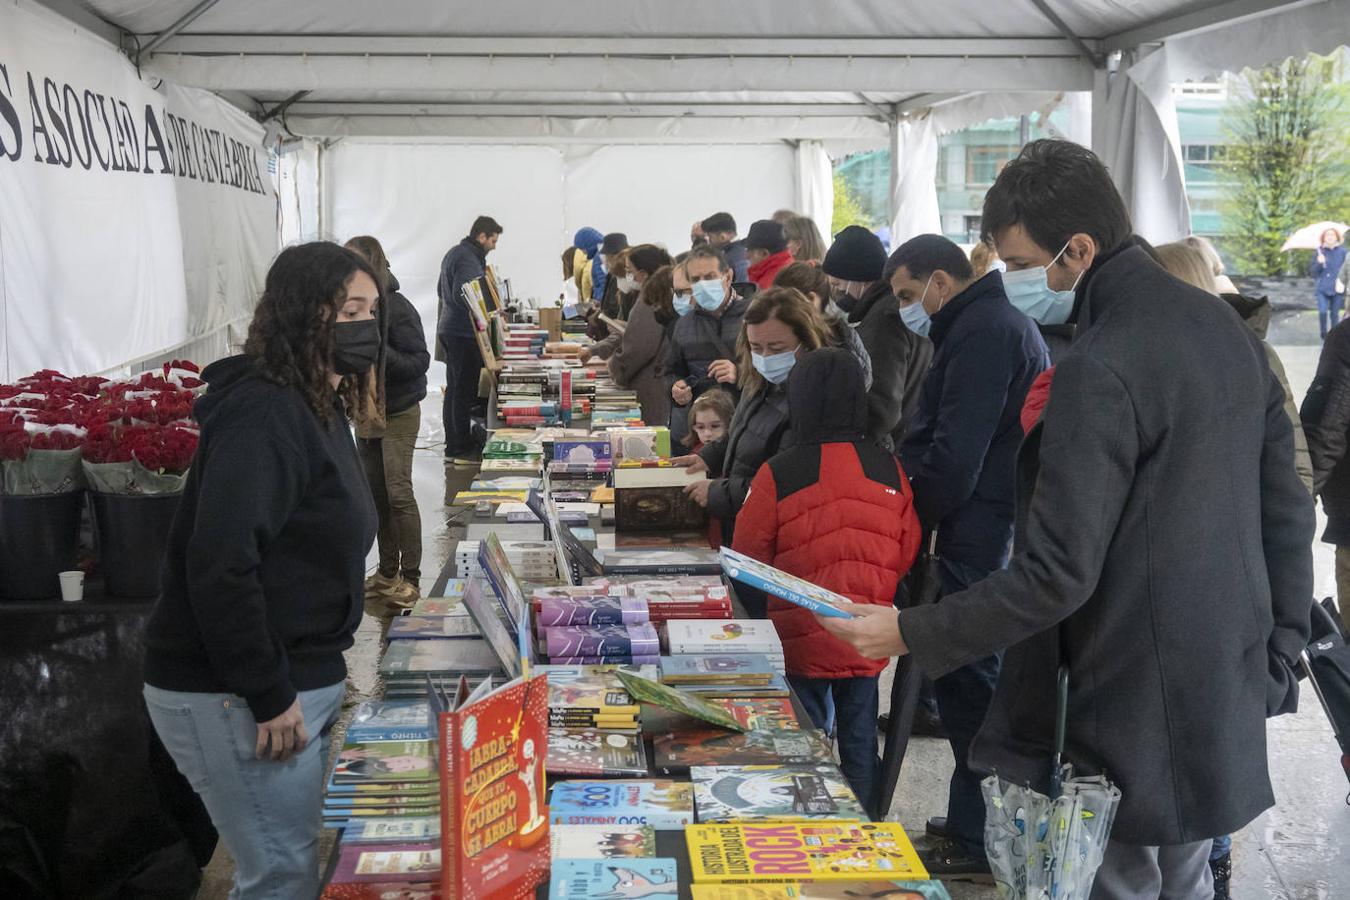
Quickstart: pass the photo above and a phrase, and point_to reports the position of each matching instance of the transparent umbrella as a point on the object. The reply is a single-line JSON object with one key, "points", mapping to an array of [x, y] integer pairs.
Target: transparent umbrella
{"points": [[1048, 847]]}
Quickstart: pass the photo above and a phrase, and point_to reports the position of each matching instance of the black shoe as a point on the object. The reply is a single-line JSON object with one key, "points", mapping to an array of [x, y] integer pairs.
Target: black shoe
{"points": [[884, 723], [1223, 871], [947, 859], [936, 827], [927, 724]]}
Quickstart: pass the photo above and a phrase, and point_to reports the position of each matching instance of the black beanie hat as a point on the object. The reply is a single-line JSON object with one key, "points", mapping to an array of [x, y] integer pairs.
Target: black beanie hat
{"points": [[766, 234], [855, 255]]}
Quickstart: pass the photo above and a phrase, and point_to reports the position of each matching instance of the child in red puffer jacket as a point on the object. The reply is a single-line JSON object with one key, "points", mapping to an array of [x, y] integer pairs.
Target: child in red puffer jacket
{"points": [[836, 510]]}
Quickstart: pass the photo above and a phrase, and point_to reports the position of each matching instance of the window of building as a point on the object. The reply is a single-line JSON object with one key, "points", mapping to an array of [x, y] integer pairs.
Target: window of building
{"points": [[983, 163], [1204, 154]]}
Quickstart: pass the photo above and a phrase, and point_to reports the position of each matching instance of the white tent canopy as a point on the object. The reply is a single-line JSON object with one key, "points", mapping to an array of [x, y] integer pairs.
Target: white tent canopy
{"points": [[642, 116]]}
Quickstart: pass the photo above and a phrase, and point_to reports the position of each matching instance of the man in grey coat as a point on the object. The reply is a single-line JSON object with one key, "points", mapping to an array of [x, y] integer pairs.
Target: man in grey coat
{"points": [[1162, 545]]}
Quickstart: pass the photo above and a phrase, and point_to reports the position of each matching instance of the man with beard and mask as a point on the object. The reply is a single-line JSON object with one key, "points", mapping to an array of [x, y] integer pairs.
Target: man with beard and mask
{"points": [[465, 262], [854, 265], [719, 230], [1162, 545]]}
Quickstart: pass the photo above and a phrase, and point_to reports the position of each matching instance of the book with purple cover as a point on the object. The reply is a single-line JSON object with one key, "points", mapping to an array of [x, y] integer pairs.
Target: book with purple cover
{"points": [[603, 640], [562, 611]]}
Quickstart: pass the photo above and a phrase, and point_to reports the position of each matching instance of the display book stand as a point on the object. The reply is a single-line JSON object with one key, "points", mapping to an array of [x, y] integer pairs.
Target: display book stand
{"points": [[486, 299]]}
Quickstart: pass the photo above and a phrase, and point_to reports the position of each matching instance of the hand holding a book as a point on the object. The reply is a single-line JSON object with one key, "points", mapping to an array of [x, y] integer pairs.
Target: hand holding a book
{"points": [[283, 737], [698, 492], [693, 463], [874, 631]]}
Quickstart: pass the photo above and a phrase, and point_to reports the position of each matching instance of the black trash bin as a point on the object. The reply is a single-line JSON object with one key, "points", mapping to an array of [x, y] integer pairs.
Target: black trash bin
{"points": [[133, 530], [39, 539]]}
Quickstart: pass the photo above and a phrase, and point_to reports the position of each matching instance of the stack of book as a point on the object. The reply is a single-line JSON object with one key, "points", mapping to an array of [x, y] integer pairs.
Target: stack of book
{"points": [[601, 644], [520, 342], [773, 793], [750, 677], [663, 804], [649, 496], [386, 869], [408, 663], [819, 850], [580, 879], [382, 779], [531, 560], [522, 413], [688, 597], [634, 443], [735, 636]]}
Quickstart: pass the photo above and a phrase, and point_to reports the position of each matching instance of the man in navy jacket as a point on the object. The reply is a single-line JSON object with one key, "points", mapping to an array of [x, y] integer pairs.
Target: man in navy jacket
{"points": [[960, 452], [465, 262]]}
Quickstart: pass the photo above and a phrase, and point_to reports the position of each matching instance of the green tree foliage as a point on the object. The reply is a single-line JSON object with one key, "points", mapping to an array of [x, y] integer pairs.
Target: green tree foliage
{"points": [[1286, 163], [848, 210]]}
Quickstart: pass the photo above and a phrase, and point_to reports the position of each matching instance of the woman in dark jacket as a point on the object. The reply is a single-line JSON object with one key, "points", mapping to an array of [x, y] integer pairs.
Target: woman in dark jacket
{"points": [[815, 286], [637, 362], [263, 573], [779, 327], [836, 510], [386, 444], [1327, 261]]}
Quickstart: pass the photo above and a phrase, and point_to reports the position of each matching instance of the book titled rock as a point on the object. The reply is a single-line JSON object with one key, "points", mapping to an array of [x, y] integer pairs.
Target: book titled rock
{"points": [[820, 850]]}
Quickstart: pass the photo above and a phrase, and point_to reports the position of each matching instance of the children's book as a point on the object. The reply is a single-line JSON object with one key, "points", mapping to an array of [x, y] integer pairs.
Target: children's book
{"points": [[773, 793], [842, 890], [492, 557], [729, 668], [494, 821], [406, 862], [820, 850], [602, 841], [422, 627], [561, 611], [590, 751], [700, 637], [665, 805], [442, 606], [813, 597], [760, 713], [595, 879], [602, 640], [487, 615], [393, 830], [389, 720], [678, 752], [377, 761], [646, 691]]}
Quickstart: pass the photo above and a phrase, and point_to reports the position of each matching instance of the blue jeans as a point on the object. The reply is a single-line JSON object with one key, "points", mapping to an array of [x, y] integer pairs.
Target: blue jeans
{"points": [[854, 711], [1221, 847], [1329, 310], [963, 698], [268, 814]]}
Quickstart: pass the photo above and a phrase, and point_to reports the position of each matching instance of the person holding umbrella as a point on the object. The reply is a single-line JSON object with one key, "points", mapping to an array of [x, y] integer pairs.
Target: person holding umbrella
{"points": [[1328, 259]]}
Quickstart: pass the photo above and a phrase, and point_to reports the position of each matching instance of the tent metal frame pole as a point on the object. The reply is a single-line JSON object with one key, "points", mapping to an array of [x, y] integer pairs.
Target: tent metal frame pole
{"points": [[1216, 15], [187, 19], [1088, 53]]}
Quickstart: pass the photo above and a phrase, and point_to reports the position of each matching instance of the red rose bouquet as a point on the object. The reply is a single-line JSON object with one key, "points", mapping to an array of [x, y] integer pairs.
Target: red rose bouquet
{"points": [[139, 459], [38, 459]]}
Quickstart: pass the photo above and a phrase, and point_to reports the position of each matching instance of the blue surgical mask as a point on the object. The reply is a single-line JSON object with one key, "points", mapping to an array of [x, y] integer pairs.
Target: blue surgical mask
{"points": [[1029, 292], [709, 294], [776, 366], [682, 303], [915, 317]]}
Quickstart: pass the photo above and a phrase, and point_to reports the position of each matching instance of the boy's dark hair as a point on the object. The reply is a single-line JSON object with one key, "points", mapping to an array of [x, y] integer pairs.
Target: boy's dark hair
{"points": [[926, 254], [806, 278], [705, 251], [485, 225], [648, 258], [719, 221], [1054, 190]]}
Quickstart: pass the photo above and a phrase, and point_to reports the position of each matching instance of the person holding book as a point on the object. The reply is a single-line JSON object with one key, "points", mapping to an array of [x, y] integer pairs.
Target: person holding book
{"points": [[465, 262], [637, 362], [263, 572], [781, 327], [836, 510]]}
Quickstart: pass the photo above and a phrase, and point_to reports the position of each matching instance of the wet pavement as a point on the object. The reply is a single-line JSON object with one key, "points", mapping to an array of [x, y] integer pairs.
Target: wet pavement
{"points": [[1299, 850]]}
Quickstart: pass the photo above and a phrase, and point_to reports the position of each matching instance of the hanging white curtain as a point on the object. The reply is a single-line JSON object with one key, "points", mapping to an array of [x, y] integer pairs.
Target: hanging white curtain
{"points": [[815, 185], [1135, 133], [914, 201]]}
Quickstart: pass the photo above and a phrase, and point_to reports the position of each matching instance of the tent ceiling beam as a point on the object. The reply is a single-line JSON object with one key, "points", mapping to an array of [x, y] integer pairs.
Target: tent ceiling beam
{"points": [[931, 100], [582, 110], [656, 48], [83, 16], [358, 73], [1215, 15], [280, 108], [553, 130], [1092, 55], [187, 19], [882, 114]]}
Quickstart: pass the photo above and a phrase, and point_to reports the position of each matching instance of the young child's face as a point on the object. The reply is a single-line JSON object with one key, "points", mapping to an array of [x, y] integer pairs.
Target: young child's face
{"points": [[709, 426]]}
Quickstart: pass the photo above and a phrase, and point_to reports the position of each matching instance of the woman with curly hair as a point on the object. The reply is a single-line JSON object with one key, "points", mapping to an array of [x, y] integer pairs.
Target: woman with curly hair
{"points": [[262, 584]]}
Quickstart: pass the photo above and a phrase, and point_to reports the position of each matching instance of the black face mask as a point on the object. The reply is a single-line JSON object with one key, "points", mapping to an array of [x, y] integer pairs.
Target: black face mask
{"points": [[845, 301], [358, 346]]}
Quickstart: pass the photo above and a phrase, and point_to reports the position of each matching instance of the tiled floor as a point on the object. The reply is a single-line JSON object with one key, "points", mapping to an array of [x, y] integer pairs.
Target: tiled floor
{"points": [[1299, 850]]}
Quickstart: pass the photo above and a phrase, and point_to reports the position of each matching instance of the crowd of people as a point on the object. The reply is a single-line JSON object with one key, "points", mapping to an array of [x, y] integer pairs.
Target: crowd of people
{"points": [[1082, 437]]}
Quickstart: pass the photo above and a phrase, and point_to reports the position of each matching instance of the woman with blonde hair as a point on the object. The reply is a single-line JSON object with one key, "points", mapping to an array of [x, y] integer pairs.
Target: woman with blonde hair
{"points": [[804, 240], [780, 326]]}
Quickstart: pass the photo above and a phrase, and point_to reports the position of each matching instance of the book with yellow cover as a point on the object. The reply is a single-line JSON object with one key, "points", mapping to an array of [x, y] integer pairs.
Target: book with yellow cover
{"points": [[823, 850], [839, 890]]}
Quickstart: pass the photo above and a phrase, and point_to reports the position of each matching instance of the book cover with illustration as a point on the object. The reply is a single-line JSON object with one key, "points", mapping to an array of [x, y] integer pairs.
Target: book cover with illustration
{"points": [[675, 700], [424, 627], [602, 640], [692, 636], [494, 818], [591, 751], [560, 611], [760, 713], [390, 720], [678, 752], [717, 668], [375, 761], [843, 890], [602, 841], [407, 862], [405, 830], [820, 850], [597, 879], [469, 656], [389, 890], [767, 793], [602, 695], [656, 508], [659, 562], [664, 805], [819, 600], [441, 606], [487, 614]]}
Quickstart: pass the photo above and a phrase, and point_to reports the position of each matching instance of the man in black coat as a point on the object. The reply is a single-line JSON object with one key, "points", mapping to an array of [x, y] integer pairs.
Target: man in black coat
{"points": [[959, 453], [1162, 550], [1326, 422], [465, 262]]}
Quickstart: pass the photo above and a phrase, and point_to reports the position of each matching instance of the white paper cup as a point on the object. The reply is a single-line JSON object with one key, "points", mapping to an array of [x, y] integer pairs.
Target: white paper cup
{"points": [[72, 586]]}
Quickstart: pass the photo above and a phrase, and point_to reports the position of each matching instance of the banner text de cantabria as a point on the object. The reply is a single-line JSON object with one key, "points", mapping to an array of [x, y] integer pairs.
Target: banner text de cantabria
{"points": [[73, 127]]}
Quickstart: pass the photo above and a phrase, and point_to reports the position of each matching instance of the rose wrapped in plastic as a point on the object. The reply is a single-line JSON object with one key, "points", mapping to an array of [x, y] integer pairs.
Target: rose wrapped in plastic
{"points": [[139, 459], [39, 459]]}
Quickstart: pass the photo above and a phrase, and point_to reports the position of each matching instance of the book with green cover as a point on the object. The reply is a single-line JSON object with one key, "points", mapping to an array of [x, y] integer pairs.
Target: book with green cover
{"points": [[645, 690]]}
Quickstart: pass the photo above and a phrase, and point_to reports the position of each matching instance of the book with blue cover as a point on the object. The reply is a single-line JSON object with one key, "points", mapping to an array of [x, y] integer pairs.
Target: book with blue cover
{"points": [[725, 668], [611, 879], [663, 804], [780, 584], [390, 720]]}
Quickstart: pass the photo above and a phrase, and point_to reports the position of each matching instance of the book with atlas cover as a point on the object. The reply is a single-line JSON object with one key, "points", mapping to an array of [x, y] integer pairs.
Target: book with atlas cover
{"points": [[819, 850]]}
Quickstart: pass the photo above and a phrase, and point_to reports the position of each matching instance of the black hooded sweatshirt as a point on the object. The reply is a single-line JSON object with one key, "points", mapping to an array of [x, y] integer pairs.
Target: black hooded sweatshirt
{"points": [[263, 574]]}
